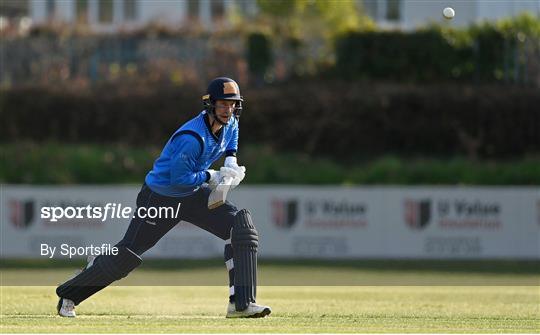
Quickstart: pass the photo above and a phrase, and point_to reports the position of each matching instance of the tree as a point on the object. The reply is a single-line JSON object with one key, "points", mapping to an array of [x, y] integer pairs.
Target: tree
{"points": [[325, 18], [305, 30]]}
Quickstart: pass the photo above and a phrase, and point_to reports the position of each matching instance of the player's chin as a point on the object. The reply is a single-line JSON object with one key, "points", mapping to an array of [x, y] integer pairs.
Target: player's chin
{"points": [[224, 119]]}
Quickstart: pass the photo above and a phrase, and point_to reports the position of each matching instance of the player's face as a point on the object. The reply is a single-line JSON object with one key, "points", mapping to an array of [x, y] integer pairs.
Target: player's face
{"points": [[225, 109]]}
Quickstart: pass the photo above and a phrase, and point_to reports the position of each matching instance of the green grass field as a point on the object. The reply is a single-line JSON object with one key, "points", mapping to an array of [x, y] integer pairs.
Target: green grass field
{"points": [[296, 309]]}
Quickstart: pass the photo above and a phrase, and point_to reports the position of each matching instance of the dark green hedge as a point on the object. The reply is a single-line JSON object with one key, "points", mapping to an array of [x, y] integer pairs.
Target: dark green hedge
{"points": [[335, 119], [421, 56], [488, 52], [259, 53], [54, 163]]}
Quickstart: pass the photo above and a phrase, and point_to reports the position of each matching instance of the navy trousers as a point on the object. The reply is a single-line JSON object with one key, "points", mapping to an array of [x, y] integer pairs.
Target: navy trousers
{"points": [[144, 233]]}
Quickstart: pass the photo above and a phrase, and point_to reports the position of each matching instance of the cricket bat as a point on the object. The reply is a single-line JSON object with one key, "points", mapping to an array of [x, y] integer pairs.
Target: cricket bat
{"points": [[218, 196]]}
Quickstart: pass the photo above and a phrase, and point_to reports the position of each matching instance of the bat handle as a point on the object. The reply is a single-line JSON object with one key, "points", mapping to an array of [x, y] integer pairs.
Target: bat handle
{"points": [[218, 195]]}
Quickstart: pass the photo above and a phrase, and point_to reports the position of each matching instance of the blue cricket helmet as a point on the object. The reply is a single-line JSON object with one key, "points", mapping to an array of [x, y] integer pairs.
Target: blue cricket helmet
{"points": [[222, 88]]}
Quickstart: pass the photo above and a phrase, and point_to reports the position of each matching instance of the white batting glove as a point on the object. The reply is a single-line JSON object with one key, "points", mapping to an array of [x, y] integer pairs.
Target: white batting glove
{"points": [[233, 164], [214, 178], [228, 172], [240, 171], [230, 161], [241, 175]]}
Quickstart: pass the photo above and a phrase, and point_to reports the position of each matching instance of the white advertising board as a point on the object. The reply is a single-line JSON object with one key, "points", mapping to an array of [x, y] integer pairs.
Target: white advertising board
{"points": [[302, 222]]}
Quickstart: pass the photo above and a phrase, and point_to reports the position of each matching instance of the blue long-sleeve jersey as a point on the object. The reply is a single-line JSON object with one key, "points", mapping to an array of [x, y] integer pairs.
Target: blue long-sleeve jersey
{"points": [[181, 167]]}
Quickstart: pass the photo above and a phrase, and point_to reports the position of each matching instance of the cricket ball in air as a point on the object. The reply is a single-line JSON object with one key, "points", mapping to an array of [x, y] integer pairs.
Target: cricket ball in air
{"points": [[448, 13]]}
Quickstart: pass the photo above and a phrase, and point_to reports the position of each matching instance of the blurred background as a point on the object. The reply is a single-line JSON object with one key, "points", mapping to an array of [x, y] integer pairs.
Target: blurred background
{"points": [[361, 92], [371, 128]]}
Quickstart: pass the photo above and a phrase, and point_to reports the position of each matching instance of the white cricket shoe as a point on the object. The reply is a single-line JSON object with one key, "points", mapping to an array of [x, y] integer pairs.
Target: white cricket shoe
{"points": [[252, 311], [66, 308]]}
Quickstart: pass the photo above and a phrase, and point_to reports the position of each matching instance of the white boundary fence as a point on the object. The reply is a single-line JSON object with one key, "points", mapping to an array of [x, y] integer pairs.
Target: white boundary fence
{"points": [[303, 222]]}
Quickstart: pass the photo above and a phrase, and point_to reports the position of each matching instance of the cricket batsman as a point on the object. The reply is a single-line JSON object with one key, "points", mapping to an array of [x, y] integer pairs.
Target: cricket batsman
{"points": [[182, 174]]}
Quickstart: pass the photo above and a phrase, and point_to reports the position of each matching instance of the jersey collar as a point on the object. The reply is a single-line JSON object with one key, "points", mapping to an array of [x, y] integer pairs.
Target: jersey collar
{"points": [[207, 122]]}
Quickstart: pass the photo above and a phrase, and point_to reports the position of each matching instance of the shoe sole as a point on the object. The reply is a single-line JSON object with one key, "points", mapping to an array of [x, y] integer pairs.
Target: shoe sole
{"points": [[262, 314], [58, 307], [265, 312]]}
